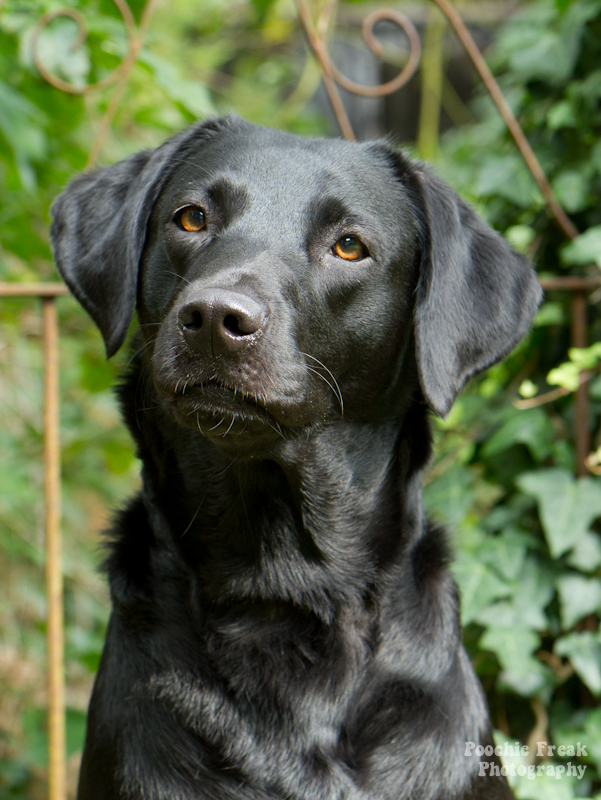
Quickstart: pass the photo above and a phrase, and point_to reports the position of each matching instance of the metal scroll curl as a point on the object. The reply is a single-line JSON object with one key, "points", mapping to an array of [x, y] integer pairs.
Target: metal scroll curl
{"points": [[79, 19], [408, 71]]}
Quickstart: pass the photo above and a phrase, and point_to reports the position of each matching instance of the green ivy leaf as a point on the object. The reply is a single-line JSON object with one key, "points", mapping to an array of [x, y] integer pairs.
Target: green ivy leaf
{"points": [[571, 188], [450, 496], [592, 730], [507, 176], [262, 8], [513, 647], [584, 651], [562, 115], [578, 597], [193, 96], [529, 596], [119, 457], [567, 506], [585, 249], [549, 314], [478, 585], [21, 124], [586, 555], [532, 428], [546, 786], [505, 553], [97, 374]]}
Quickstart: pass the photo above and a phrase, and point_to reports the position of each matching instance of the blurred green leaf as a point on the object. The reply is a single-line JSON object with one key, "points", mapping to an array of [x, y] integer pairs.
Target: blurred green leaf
{"points": [[507, 176], [192, 96], [562, 115], [513, 647], [584, 651], [571, 188], [76, 731], [567, 506], [119, 457], [97, 374], [532, 428], [450, 496], [578, 597], [21, 123], [585, 249], [57, 54], [586, 555], [478, 586]]}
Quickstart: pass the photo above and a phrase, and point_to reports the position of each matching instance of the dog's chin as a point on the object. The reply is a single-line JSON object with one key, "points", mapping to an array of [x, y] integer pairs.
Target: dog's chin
{"points": [[231, 417]]}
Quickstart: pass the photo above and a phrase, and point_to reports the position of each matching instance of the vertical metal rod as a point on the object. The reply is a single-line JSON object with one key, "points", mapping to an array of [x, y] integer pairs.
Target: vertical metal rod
{"points": [[54, 576], [431, 89], [581, 405]]}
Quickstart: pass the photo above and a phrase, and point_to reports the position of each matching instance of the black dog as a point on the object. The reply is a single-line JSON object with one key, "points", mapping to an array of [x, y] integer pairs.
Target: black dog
{"points": [[284, 624]]}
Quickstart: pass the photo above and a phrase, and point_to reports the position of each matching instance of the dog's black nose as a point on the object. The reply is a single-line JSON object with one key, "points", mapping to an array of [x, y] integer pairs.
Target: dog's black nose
{"points": [[220, 321]]}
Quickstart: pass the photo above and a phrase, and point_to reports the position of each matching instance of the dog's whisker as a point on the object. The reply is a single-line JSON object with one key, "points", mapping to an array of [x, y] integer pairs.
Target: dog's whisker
{"points": [[337, 395], [337, 391], [194, 517], [177, 275], [230, 427], [152, 340]]}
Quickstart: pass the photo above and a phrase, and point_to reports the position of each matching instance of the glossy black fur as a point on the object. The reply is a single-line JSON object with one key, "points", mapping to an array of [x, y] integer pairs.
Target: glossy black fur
{"points": [[284, 624]]}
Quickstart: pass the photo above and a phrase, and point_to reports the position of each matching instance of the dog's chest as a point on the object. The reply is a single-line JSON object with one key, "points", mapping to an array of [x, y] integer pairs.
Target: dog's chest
{"points": [[271, 715]]}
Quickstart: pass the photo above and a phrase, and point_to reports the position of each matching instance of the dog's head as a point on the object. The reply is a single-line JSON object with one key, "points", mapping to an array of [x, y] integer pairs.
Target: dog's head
{"points": [[288, 280]]}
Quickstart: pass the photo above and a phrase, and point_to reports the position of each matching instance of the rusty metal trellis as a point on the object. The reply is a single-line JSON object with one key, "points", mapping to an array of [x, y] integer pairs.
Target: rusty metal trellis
{"points": [[317, 31], [48, 292]]}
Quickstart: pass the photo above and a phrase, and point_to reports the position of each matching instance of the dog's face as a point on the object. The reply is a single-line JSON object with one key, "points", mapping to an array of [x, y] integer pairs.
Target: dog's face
{"points": [[284, 282], [276, 283]]}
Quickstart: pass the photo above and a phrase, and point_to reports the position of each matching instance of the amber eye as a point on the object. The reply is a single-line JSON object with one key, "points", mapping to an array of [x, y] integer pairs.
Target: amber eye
{"points": [[350, 248], [191, 218]]}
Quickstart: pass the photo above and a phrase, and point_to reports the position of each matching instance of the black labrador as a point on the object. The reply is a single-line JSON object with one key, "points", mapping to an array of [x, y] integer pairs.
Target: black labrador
{"points": [[284, 625]]}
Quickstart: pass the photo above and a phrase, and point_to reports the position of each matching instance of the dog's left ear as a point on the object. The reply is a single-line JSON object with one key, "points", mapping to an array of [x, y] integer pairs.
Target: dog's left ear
{"points": [[476, 297], [99, 229]]}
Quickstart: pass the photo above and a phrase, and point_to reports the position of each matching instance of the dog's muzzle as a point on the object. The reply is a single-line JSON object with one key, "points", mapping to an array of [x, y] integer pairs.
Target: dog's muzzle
{"points": [[217, 321]]}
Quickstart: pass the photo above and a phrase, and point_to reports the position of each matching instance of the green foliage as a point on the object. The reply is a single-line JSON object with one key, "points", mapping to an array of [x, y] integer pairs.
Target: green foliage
{"points": [[526, 531], [533, 628]]}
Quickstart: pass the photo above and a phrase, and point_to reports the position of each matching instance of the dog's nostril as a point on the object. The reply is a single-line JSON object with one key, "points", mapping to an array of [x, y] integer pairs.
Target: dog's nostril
{"points": [[232, 324], [191, 319]]}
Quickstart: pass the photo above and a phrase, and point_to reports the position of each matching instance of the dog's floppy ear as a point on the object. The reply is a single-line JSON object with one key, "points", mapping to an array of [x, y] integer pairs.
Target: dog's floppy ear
{"points": [[99, 228], [476, 297], [98, 232]]}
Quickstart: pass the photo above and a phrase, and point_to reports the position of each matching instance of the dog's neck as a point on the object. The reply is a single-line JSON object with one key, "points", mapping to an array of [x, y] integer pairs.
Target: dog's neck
{"points": [[331, 509]]}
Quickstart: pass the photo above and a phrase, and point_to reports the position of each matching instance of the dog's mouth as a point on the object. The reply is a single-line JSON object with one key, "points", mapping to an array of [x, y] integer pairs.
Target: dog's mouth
{"points": [[218, 409]]}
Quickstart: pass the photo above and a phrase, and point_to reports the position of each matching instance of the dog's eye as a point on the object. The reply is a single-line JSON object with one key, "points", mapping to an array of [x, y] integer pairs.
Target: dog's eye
{"points": [[350, 248], [191, 218]]}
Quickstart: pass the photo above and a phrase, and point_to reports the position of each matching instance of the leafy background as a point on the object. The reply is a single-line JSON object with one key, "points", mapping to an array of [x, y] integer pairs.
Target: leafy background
{"points": [[526, 531]]}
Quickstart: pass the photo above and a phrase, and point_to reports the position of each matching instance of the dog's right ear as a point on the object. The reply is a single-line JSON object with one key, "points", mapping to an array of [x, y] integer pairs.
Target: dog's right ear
{"points": [[99, 228], [476, 297], [98, 231]]}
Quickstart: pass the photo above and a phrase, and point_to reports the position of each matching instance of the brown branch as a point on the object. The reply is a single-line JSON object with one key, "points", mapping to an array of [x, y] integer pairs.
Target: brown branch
{"points": [[135, 46], [315, 42], [539, 732], [554, 394], [514, 127]]}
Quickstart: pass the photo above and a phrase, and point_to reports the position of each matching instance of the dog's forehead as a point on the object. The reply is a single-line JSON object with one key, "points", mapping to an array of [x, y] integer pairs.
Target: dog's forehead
{"points": [[268, 164]]}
